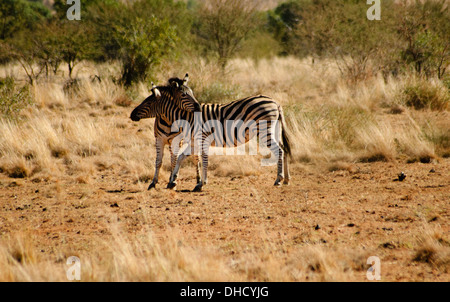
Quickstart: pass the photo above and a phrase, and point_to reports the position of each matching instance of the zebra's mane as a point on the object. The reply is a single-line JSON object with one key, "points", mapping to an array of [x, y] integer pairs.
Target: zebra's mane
{"points": [[169, 87], [179, 81]]}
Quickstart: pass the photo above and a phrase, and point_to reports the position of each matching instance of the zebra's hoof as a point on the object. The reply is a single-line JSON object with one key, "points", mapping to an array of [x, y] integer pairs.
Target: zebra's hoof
{"points": [[285, 182], [171, 185], [198, 188], [151, 186], [277, 183]]}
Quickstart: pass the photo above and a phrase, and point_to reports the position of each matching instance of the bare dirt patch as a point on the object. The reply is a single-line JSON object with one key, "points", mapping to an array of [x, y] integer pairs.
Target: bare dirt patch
{"points": [[323, 226]]}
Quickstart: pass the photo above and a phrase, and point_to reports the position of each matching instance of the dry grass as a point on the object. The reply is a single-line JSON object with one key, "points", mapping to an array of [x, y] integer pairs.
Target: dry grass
{"points": [[147, 258], [433, 248]]}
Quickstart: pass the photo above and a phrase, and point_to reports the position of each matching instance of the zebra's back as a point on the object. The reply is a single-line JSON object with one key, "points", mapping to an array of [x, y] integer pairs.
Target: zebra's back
{"points": [[255, 108]]}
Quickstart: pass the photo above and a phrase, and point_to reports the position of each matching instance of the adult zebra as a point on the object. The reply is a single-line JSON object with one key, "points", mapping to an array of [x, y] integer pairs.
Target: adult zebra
{"points": [[247, 112], [166, 103]]}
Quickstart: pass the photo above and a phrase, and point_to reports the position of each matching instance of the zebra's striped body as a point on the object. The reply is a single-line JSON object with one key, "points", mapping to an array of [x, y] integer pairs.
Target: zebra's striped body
{"points": [[246, 111]]}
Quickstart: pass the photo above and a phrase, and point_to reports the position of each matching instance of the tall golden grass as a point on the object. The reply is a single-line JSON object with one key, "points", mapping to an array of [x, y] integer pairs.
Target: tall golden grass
{"points": [[167, 258], [147, 258]]}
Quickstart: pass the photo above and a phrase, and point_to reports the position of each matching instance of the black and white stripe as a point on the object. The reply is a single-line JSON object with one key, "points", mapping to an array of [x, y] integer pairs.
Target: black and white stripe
{"points": [[243, 112], [166, 103], [246, 111]]}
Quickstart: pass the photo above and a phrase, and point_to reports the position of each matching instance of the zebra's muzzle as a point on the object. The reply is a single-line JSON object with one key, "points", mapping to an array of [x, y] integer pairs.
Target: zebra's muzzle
{"points": [[135, 118]]}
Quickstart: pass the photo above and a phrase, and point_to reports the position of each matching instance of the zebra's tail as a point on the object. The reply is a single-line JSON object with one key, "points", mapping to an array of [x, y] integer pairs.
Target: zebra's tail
{"points": [[284, 136]]}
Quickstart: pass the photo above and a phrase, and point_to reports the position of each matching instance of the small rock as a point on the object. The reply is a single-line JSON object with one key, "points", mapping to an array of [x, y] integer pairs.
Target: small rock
{"points": [[317, 227], [400, 177], [114, 205], [388, 245], [432, 170], [434, 218]]}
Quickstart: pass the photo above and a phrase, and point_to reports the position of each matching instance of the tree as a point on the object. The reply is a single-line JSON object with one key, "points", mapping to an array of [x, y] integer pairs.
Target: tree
{"points": [[143, 43], [334, 29], [28, 52], [17, 15], [139, 34], [424, 28], [223, 25], [76, 43], [282, 21]]}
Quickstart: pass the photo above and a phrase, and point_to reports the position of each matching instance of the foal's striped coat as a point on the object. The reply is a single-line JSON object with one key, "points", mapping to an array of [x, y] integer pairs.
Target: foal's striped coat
{"points": [[163, 103]]}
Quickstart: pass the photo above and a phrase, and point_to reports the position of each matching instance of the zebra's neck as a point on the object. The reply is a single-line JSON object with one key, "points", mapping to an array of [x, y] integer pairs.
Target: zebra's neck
{"points": [[170, 113]]}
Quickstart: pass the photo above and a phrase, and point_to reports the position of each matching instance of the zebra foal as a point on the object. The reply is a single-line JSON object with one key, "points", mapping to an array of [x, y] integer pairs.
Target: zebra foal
{"points": [[166, 103]]}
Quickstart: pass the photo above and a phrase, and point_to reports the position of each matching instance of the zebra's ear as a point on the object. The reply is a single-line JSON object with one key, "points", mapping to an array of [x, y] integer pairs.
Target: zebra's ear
{"points": [[186, 79], [173, 82], [155, 91]]}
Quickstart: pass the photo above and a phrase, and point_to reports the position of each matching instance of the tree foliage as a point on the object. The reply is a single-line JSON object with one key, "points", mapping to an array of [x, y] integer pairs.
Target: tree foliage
{"points": [[16, 15], [412, 35], [223, 25], [143, 43]]}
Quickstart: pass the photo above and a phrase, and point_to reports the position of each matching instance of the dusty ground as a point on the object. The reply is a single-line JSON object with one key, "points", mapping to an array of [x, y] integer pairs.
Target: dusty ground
{"points": [[360, 208]]}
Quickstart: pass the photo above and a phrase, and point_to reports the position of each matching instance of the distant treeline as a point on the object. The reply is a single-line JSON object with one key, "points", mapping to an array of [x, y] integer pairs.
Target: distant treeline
{"points": [[411, 36]]}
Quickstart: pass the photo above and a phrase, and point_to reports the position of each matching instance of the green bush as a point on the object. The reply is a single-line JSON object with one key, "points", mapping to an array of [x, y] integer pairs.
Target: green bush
{"points": [[143, 44], [424, 28], [13, 97], [411, 35], [222, 27], [138, 34], [425, 95], [16, 15]]}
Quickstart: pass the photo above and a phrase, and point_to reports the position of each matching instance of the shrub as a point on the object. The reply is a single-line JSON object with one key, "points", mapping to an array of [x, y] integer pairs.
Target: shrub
{"points": [[425, 95], [13, 97], [143, 43], [222, 26]]}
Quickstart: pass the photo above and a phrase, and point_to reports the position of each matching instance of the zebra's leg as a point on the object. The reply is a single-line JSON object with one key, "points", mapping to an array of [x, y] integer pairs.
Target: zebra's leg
{"points": [[159, 157], [198, 166], [267, 139], [204, 179], [173, 161], [287, 176], [280, 174], [278, 152], [173, 177]]}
